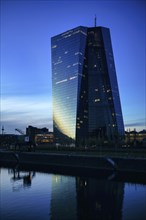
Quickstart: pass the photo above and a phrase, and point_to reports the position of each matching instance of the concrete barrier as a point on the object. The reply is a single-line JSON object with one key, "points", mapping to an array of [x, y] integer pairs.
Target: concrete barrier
{"points": [[76, 161]]}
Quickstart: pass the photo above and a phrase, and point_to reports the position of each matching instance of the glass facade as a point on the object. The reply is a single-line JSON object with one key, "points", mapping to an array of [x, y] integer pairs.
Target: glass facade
{"points": [[67, 63], [105, 115], [86, 99]]}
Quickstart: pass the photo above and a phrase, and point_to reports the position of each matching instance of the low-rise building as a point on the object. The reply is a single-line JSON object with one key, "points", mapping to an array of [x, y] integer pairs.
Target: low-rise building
{"points": [[39, 135], [134, 137]]}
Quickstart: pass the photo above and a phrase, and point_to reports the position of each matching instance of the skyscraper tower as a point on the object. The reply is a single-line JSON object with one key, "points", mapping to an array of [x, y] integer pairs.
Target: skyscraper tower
{"points": [[86, 100]]}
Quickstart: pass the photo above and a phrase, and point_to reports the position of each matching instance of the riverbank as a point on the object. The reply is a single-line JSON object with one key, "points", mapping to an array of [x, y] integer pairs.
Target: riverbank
{"points": [[75, 161]]}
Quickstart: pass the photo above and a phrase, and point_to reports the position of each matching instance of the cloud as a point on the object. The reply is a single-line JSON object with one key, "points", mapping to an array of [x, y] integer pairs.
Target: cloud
{"points": [[19, 112], [134, 124]]}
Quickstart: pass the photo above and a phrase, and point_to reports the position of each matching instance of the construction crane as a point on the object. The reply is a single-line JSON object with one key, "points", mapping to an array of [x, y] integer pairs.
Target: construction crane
{"points": [[21, 132]]}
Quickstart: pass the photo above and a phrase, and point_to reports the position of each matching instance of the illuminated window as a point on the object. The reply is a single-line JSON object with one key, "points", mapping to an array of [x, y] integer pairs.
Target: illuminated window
{"points": [[64, 80], [73, 77], [97, 100], [54, 46], [78, 53], [74, 64], [60, 61]]}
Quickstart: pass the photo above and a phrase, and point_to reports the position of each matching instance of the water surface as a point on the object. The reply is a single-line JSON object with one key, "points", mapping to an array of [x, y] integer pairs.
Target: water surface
{"points": [[35, 195]]}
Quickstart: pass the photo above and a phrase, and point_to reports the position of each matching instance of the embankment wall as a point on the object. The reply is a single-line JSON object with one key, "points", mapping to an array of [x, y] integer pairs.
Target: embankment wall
{"points": [[76, 161]]}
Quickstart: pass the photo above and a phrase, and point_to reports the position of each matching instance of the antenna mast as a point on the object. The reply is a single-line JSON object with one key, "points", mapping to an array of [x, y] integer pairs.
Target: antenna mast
{"points": [[95, 21]]}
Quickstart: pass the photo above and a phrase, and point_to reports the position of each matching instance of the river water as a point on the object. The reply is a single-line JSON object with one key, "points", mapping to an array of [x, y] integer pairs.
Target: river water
{"points": [[37, 195]]}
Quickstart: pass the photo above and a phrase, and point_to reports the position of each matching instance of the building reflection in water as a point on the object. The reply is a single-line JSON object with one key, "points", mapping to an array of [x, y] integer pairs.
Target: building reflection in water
{"points": [[99, 199], [63, 198], [68, 197], [86, 198]]}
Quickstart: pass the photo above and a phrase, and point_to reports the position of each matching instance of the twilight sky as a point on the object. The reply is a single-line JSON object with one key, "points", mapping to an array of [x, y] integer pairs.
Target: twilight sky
{"points": [[26, 30]]}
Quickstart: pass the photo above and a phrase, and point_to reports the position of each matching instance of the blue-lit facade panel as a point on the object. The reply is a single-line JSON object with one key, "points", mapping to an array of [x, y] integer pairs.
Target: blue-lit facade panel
{"points": [[67, 61]]}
